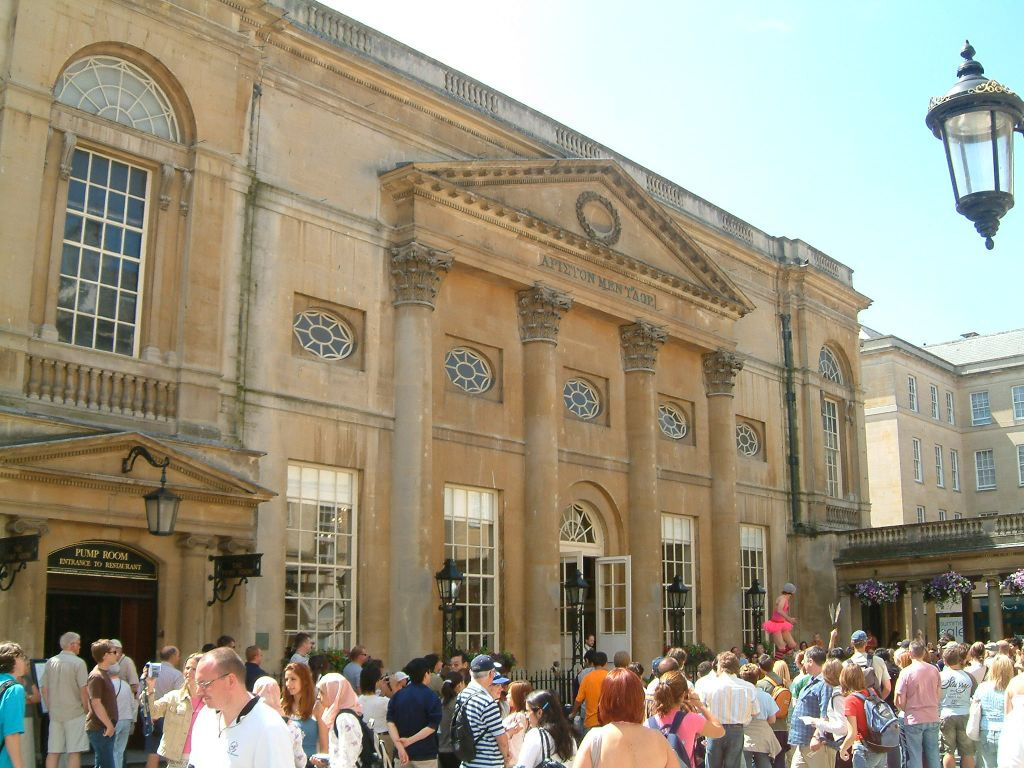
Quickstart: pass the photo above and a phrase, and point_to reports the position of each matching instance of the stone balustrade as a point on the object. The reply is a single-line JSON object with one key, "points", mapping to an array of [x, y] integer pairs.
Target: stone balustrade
{"points": [[841, 515], [948, 536], [94, 388]]}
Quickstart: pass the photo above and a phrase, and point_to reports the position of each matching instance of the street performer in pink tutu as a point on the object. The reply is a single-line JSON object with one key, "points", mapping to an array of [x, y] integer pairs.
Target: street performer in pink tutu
{"points": [[780, 625]]}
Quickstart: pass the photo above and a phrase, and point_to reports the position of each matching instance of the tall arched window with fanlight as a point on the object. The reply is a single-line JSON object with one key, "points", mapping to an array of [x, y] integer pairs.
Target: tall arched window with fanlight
{"points": [[834, 394]]}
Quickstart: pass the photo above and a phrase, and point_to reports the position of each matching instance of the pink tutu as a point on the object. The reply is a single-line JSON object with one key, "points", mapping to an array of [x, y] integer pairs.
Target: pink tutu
{"points": [[777, 624]]}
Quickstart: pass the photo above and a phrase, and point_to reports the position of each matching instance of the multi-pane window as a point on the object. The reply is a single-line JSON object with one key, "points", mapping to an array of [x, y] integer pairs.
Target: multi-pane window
{"points": [[833, 448], [752, 566], [950, 414], [471, 539], [954, 469], [981, 413], [828, 366], [320, 554], [934, 400], [940, 468], [958, 515], [918, 469], [1017, 395], [677, 559], [921, 514], [912, 392], [942, 515], [102, 253], [1020, 464], [985, 469]]}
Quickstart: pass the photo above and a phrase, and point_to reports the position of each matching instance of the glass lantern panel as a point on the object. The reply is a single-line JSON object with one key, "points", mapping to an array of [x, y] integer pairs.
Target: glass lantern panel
{"points": [[969, 137], [1004, 151]]}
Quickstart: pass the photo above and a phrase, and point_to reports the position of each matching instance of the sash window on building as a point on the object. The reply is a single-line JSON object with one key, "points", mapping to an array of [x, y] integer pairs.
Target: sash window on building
{"points": [[981, 413], [753, 566], [918, 469], [912, 393], [677, 545], [833, 448], [940, 469], [320, 554], [935, 400], [470, 538], [985, 470], [1020, 464], [1017, 395], [954, 468], [921, 515], [950, 413]]}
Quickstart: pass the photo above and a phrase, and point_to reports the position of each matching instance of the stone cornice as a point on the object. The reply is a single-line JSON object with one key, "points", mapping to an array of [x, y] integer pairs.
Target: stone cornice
{"points": [[444, 186]]}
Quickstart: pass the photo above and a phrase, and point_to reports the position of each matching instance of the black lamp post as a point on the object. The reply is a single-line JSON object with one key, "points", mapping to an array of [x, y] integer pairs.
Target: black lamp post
{"points": [[677, 595], [161, 504], [754, 598], [976, 120], [576, 587], [449, 582]]}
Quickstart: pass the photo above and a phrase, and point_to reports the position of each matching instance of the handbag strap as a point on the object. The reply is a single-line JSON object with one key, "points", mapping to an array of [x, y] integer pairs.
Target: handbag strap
{"points": [[595, 749]]}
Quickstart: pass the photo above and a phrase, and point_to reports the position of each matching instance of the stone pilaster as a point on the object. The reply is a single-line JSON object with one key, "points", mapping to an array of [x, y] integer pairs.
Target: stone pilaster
{"points": [[540, 312], [417, 534], [231, 617], [720, 369], [848, 602], [24, 604], [196, 619], [640, 343], [918, 616], [995, 607]]}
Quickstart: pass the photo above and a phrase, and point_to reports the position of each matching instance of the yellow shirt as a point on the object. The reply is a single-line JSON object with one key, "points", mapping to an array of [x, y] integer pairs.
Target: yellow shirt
{"points": [[590, 692]]}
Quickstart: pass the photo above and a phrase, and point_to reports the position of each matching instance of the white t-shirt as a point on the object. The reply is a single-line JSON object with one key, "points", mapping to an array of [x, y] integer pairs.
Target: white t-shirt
{"points": [[259, 740], [375, 708], [538, 744]]}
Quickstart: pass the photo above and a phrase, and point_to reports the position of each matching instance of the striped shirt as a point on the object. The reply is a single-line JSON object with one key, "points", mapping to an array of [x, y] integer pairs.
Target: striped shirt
{"points": [[485, 721], [731, 700]]}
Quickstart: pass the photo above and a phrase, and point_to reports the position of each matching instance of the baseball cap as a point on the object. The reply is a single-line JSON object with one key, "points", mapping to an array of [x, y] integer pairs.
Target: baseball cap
{"points": [[991, 646], [501, 680], [399, 677], [114, 643], [483, 663], [858, 637]]}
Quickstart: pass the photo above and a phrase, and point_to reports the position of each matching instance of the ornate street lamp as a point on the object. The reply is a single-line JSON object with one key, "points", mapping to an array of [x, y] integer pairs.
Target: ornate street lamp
{"points": [[449, 582], [677, 595], [576, 587], [161, 504], [976, 120], [754, 599]]}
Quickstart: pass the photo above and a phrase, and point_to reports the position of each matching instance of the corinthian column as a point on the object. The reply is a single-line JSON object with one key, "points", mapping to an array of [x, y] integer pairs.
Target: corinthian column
{"points": [[540, 311], [720, 369], [416, 273], [640, 343]]}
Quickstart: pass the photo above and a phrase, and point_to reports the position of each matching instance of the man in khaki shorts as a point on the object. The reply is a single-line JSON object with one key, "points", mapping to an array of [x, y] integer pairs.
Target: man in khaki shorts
{"points": [[67, 702]]}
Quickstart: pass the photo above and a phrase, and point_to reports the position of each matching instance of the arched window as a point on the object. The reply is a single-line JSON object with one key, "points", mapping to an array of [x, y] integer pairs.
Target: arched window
{"points": [[116, 90], [828, 366], [578, 526]]}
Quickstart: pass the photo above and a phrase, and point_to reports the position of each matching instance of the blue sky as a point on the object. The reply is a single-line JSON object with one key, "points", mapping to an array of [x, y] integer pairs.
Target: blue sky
{"points": [[805, 119]]}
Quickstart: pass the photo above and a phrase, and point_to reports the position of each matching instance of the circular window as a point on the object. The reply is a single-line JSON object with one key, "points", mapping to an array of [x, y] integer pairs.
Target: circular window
{"points": [[672, 421], [581, 399], [746, 440], [324, 335], [468, 370]]}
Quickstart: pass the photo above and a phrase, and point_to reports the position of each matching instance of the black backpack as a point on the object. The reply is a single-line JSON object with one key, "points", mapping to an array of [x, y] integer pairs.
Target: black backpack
{"points": [[871, 680], [368, 757], [670, 733], [462, 732]]}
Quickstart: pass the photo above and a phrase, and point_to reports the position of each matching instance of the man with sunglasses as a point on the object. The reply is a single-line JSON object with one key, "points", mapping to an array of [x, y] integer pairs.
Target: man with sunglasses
{"points": [[235, 729]]}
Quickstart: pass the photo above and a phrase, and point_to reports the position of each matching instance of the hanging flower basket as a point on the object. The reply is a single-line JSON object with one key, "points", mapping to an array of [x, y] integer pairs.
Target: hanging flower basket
{"points": [[948, 587], [1014, 583], [875, 592]]}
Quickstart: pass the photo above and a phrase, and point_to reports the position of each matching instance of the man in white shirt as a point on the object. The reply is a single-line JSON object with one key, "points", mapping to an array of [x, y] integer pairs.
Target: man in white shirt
{"points": [[733, 702], [235, 729]]}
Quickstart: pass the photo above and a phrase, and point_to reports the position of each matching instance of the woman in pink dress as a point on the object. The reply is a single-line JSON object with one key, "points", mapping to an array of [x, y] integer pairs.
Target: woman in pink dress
{"points": [[780, 625]]}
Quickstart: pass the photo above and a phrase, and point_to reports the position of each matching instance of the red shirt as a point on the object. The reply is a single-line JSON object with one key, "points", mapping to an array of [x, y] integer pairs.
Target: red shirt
{"points": [[855, 708]]}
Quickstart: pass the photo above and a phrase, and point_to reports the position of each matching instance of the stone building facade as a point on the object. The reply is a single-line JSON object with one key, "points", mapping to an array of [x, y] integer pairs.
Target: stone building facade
{"points": [[376, 314]]}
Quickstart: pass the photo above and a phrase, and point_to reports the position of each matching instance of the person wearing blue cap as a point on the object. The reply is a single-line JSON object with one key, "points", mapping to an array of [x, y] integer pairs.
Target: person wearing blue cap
{"points": [[876, 674], [484, 715]]}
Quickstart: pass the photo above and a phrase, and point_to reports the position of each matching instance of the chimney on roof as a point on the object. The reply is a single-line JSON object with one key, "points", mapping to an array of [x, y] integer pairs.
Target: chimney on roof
{"points": [[968, 335]]}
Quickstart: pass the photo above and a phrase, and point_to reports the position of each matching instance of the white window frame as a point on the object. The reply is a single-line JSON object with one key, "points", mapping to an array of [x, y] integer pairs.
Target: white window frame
{"points": [[915, 445], [307, 484], [753, 563], [950, 408], [679, 531], [463, 502], [934, 391], [954, 468], [958, 515], [922, 516], [912, 392], [940, 468], [1020, 464], [981, 412], [985, 469], [1017, 398], [833, 448], [942, 515]]}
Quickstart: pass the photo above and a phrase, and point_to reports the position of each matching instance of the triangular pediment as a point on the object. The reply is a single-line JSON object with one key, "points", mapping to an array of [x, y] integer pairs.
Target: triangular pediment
{"points": [[96, 461], [591, 205]]}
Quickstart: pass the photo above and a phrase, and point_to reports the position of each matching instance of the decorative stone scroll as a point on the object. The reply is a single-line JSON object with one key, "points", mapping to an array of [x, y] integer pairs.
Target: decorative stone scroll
{"points": [[640, 342], [540, 311], [416, 273], [720, 369], [66, 153]]}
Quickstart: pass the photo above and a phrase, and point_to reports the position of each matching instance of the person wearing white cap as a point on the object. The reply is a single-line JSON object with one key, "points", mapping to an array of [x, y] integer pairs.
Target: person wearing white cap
{"points": [[780, 625], [128, 671]]}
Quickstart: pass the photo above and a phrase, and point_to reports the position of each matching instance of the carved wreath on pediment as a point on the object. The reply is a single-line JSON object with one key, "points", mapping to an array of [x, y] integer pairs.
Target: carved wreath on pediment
{"points": [[589, 207]]}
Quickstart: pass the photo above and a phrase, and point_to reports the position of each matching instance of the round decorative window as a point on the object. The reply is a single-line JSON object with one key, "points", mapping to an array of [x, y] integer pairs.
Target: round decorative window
{"points": [[323, 334], [468, 370], [672, 421], [746, 440], [581, 399]]}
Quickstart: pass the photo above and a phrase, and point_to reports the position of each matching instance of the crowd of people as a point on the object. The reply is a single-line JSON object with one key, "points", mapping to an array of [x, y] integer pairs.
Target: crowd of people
{"points": [[858, 706]]}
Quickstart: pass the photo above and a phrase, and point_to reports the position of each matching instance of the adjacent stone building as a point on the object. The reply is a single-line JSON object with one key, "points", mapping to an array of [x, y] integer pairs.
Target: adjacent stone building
{"points": [[375, 314]]}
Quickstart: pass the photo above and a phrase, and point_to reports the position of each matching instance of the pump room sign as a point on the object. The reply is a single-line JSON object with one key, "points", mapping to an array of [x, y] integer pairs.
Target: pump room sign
{"points": [[101, 558]]}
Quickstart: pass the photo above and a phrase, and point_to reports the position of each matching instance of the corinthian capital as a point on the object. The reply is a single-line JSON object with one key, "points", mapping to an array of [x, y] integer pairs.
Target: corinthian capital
{"points": [[540, 311], [416, 273], [720, 369], [640, 342]]}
